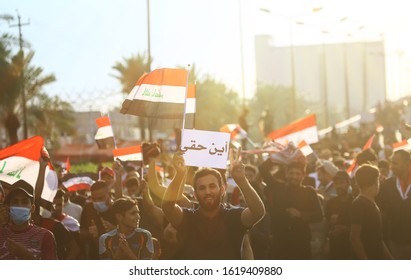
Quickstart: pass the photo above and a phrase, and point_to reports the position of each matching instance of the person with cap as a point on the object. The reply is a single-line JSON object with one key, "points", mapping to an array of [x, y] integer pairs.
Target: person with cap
{"points": [[337, 213], [21, 239], [107, 175], [326, 170]]}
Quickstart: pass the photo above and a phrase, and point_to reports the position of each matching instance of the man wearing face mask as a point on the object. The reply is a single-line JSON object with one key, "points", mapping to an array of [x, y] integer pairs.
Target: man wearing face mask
{"points": [[96, 219], [20, 239]]}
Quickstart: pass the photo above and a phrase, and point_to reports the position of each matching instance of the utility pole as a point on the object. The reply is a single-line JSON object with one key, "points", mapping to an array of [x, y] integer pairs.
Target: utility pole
{"points": [[23, 88], [148, 37], [325, 84], [142, 119], [241, 53]]}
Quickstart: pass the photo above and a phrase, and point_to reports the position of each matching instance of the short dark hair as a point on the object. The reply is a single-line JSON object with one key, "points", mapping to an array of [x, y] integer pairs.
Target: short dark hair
{"points": [[366, 175], [98, 185], [297, 165], [383, 163], [207, 171], [122, 205], [366, 156], [404, 155]]}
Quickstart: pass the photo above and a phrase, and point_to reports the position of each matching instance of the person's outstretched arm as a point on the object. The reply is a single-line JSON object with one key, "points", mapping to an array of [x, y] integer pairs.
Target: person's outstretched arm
{"points": [[172, 211], [255, 208]]}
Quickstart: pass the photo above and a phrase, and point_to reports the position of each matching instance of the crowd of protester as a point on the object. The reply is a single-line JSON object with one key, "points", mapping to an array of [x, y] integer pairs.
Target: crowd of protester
{"points": [[259, 208]]}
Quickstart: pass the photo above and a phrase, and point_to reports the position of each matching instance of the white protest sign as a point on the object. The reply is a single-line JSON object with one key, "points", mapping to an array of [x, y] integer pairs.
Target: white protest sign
{"points": [[205, 148]]}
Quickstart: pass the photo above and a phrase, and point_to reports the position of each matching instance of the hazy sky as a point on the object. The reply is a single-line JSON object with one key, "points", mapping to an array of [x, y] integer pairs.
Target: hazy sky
{"points": [[80, 40]]}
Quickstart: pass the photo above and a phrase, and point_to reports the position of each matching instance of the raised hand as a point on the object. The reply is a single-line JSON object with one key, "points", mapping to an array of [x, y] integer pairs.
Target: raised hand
{"points": [[118, 167], [179, 164], [237, 169]]}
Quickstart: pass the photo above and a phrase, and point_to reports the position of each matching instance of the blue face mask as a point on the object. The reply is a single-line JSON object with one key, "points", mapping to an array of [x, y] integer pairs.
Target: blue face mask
{"points": [[100, 206], [19, 215]]}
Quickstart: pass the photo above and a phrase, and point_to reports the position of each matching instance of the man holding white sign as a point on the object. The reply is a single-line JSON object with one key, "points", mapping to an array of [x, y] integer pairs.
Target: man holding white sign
{"points": [[211, 231]]}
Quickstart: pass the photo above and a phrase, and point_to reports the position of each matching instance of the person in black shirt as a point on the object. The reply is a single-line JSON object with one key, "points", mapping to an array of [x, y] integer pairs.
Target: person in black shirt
{"points": [[366, 225], [337, 212], [292, 207], [211, 231]]}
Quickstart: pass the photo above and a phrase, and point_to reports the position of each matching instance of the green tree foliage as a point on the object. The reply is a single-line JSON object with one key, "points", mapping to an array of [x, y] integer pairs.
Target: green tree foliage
{"points": [[216, 105], [278, 101], [46, 116], [128, 72]]}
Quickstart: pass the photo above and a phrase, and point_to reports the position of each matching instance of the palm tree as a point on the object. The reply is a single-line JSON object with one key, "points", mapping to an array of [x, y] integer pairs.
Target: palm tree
{"points": [[11, 67], [129, 71]]}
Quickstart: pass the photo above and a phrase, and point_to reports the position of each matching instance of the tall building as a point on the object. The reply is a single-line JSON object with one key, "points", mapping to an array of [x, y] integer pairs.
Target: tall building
{"points": [[326, 75]]}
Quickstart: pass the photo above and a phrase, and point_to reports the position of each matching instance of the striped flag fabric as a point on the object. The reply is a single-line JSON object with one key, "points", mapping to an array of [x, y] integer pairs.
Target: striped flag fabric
{"points": [[67, 165], [78, 183], [305, 148], [159, 94], [21, 162], [133, 154], [367, 145], [104, 135], [235, 130], [190, 107], [190, 112], [307, 151], [403, 145], [304, 129]]}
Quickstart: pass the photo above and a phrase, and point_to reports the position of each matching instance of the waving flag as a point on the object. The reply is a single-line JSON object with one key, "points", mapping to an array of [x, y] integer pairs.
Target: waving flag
{"points": [[190, 112], [159, 94], [304, 129], [190, 107], [235, 130], [128, 154], [104, 136], [366, 146], [403, 145], [78, 182], [67, 165], [21, 162]]}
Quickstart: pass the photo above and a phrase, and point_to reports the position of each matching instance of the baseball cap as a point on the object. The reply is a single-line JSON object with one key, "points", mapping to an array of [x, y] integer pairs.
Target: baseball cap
{"points": [[108, 171], [21, 186]]}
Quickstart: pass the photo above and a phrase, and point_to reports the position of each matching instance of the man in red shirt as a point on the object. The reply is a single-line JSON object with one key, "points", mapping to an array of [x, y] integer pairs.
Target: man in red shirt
{"points": [[20, 239]]}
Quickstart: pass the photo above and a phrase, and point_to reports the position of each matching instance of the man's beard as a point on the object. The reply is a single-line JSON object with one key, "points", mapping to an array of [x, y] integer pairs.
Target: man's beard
{"points": [[210, 205]]}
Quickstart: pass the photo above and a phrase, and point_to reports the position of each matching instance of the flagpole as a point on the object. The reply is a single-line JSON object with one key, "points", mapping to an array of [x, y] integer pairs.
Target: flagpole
{"points": [[195, 105], [185, 100], [114, 138]]}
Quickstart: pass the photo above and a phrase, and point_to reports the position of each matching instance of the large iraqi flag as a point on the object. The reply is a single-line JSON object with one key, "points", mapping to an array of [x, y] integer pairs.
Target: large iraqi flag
{"points": [[159, 94], [304, 129], [190, 113], [21, 162]]}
